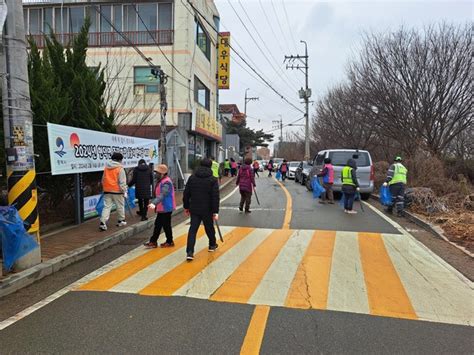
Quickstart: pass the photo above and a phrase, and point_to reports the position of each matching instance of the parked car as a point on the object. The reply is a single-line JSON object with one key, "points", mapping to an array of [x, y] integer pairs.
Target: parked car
{"points": [[292, 166], [302, 172], [262, 165], [339, 158]]}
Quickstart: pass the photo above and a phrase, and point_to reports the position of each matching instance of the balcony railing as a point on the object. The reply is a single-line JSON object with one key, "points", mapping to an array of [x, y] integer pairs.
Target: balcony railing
{"points": [[113, 39]]}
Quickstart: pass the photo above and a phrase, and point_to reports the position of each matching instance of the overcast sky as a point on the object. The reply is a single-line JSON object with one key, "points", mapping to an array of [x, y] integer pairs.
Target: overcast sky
{"points": [[333, 32]]}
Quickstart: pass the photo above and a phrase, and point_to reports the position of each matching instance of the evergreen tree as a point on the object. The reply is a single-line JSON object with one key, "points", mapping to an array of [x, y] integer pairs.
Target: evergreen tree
{"points": [[247, 136]]}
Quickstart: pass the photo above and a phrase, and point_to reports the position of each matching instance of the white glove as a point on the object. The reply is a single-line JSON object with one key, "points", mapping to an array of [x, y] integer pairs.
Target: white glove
{"points": [[358, 189], [215, 216], [151, 206], [125, 194], [385, 184]]}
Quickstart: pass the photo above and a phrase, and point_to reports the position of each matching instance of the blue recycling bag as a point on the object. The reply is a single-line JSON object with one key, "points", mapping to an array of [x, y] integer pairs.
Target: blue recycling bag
{"points": [[317, 188], [100, 205], [131, 197], [278, 175], [385, 196], [16, 242]]}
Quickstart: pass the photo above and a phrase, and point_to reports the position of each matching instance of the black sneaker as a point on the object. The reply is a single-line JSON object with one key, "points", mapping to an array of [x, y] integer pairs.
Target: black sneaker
{"points": [[102, 227], [190, 257], [212, 248], [241, 209]]}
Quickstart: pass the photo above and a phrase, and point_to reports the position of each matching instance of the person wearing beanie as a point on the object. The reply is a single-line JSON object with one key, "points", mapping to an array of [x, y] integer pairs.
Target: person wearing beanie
{"points": [[142, 179], [114, 186], [164, 204], [201, 202]]}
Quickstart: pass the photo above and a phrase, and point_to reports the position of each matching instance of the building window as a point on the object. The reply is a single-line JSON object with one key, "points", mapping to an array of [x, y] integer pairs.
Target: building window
{"points": [[48, 23], [201, 94], [148, 17], [76, 18], [203, 41], [129, 18], [144, 82], [165, 17], [35, 21], [60, 20]]}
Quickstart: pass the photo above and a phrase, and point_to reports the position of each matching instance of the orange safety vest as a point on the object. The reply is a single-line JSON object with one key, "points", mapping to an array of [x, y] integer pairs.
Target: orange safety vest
{"points": [[110, 180]]}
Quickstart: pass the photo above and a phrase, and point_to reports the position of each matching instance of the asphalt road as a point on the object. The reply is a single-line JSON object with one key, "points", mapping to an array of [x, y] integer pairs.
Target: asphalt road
{"points": [[306, 280]]}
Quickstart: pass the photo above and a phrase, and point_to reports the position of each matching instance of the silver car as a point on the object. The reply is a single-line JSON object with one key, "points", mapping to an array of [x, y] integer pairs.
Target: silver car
{"points": [[339, 158], [292, 166]]}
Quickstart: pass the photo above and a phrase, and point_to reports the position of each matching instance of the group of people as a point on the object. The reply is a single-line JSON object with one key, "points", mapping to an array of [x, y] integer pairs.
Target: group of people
{"points": [[200, 198], [396, 181]]}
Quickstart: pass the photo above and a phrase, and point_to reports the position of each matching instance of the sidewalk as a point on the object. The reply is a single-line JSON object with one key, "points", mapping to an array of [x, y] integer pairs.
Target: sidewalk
{"points": [[71, 244]]}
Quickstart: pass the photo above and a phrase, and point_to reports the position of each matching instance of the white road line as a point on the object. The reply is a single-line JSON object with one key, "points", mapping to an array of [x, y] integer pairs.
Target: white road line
{"points": [[106, 268], [156, 270], [421, 245], [274, 287], [204, 284], [347, 291], [434, 291], [229, 195]]}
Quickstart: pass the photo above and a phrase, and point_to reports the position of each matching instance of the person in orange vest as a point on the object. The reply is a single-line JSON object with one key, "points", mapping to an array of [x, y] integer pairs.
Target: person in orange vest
{"points": [[114, 186], [164, 204]]}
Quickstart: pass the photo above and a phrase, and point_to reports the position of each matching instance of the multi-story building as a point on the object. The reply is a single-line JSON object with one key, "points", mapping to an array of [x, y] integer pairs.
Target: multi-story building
{"points": [[168, 32]]}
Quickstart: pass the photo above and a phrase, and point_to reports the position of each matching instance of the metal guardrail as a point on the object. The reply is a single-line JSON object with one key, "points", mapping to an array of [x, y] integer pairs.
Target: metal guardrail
{"points": [[112, 39]]}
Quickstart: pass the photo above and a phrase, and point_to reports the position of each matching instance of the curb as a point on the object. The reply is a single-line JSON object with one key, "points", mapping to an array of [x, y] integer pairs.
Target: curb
{"points": [[26, 277], [429, 227]]}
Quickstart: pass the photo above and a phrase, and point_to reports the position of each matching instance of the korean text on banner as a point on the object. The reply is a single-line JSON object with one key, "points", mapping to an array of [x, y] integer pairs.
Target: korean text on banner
{"points": [[75, 150], [224, 60]]}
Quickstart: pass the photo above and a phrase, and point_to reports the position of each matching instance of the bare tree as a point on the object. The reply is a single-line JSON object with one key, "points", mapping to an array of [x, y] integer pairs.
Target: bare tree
{"points": [[128, 107]]}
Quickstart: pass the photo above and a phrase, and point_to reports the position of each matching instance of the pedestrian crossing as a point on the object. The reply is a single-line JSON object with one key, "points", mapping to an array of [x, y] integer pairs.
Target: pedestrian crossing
{"points": [[389, 275]]}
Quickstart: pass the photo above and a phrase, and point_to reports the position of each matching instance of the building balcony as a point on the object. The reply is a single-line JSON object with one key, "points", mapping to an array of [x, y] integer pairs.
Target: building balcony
{"points": [[113, 39]]}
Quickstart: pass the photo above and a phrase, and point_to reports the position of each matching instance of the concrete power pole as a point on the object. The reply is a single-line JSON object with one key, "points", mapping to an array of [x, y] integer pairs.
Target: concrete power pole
{"points": [[305, 93], [163, 78], [18, 124], [247, 99]]}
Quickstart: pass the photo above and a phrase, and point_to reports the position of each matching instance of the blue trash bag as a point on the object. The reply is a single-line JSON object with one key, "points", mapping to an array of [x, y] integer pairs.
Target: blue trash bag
{"points": [[278, 175], [317, 188], [385, 196], [16, 242], [131, 197], [100, 205]]}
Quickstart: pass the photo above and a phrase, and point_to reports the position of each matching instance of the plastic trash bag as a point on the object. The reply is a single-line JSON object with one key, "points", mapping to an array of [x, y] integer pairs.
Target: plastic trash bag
{"points": [[317, 188], [100, 205], [278, 175], [131, 197], [385, 196], [16, 242]]}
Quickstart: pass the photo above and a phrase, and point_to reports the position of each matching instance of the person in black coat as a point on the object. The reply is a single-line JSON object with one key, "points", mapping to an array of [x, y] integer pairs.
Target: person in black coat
{"points": [[143, 180], [201, 201]]}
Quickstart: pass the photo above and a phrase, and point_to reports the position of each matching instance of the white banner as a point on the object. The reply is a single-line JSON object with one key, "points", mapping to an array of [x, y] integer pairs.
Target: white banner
{"points": [[75, 150]]}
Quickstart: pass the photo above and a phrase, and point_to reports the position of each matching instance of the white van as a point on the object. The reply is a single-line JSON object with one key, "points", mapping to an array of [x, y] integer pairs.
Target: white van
{"points": [[339, 158]]}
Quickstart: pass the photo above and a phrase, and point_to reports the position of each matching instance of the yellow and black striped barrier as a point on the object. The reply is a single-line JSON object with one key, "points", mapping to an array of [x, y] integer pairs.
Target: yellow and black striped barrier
{"points": [[22, 194]]}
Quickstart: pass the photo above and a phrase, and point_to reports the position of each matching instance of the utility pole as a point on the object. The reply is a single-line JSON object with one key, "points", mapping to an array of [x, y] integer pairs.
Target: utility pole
{"points": [[247, 99], [278, 124], [18, 124], [303, 93], [163, 78]]}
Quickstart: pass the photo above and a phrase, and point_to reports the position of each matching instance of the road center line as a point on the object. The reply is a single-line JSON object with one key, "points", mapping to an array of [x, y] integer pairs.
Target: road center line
{"points": [[255, 332], [289, 206]]}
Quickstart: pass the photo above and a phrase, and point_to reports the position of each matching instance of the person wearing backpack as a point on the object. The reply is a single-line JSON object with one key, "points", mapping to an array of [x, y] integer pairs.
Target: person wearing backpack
{"points": [[142, 178], [397, 181], [256, 166], [283, 170], [270, 168], [246, 183], [328, 180]]}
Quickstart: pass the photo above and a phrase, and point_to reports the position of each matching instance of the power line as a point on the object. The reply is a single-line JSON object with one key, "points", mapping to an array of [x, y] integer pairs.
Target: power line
{"points": [[259, 36], [158, 45], [288, 23], [245, 61], [279, 24]]}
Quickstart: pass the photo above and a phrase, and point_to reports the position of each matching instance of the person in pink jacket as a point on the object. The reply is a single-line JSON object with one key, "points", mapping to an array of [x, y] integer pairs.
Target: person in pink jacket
{"points": [[246, 183], [328, 180]]}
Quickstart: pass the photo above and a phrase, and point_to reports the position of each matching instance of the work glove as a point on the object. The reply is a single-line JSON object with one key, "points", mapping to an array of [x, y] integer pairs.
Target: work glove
{"points": [[385, 184], [358, 189], [125, 194], [151, 206], [215, 216], [186, 212]]}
